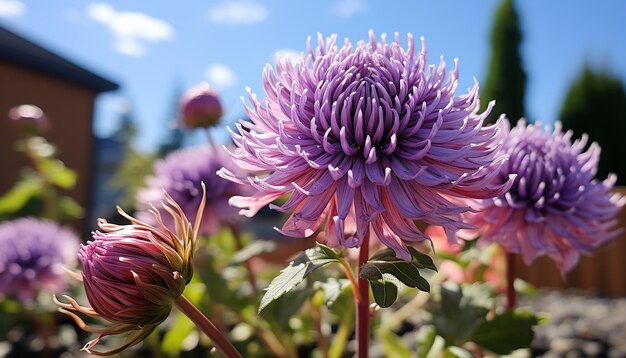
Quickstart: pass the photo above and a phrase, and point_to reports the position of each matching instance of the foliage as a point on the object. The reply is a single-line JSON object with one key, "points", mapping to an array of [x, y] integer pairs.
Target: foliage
{"points": [[39, 191], [506, 78], [596, 104]]}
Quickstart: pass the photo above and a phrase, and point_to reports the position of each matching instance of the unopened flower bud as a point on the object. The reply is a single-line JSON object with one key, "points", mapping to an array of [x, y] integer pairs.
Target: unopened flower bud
{"points": [[134, 273], [29, 118], [200, 107]]}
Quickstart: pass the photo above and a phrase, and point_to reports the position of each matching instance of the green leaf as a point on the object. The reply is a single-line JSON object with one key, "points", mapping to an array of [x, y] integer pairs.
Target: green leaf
{"points": [[68, 208], [421, 260], [57, 173], [253, 249], [457, 352], [393, 346], [20, 194], [173, 339], [297, 271], [430, 344], [461, 309], [385, 290], [506, 332], [332, 289], [386, 262]]}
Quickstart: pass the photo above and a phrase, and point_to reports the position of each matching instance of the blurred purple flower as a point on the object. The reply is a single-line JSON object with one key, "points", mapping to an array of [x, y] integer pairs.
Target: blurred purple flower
{"points": [[200, 107], [32, 255], [180, 174], [368, 136], [555, 206], [133, 273], [29, 118]]}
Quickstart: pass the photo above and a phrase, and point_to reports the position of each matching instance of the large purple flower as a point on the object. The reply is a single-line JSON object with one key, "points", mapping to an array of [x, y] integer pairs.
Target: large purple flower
{"points": [[180, 174], [366, 136], [32, 255], [554, 207]]}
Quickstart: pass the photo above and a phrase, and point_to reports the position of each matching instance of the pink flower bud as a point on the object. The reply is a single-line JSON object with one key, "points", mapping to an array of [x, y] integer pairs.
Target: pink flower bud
{"points": [[200, 106], [29, 118], [133, 273]]}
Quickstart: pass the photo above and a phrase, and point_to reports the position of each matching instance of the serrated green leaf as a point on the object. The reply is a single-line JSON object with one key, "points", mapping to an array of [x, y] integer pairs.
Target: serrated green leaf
{"points": [[385, 290], [506, 332], [394, 347], [298, 269]]}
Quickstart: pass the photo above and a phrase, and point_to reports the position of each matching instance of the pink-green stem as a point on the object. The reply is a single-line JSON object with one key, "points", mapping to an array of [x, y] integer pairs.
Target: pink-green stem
{"points": [[363, 305], [511, 296], [217, 337]]}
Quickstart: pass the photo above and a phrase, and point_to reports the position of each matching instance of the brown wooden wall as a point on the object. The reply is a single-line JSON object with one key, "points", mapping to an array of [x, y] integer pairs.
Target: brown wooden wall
{"points": [[603, 272], [70, 110]]}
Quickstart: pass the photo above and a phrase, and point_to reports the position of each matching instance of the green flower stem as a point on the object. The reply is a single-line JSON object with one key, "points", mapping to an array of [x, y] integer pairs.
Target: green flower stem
{"points": [[239, 245], [363, 305], [338, 345], [217, 337], [355, 285]]}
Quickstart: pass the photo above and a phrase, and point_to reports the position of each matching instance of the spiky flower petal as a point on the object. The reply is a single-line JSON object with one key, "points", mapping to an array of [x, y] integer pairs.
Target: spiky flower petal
{"points": [[133, 273], [369, 136], [555, 206]]}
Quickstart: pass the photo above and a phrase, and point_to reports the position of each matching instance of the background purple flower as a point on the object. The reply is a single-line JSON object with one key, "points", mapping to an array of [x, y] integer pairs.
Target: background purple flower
{"points": [[32, 255], [555, 206], [29, 118], [180, 174], [368, 136]]}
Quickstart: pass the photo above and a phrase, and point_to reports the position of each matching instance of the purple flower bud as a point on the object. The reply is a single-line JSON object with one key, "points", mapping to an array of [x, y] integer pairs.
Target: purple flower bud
{"points": [[133, 273], [366, 136], [33, 253], [555, 206], [29, 118], [200, 107]]}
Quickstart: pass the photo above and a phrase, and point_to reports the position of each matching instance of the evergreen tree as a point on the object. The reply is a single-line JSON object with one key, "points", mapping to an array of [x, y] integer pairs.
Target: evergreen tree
{"points": [[506, 79], [175, 136], [596, 104]]}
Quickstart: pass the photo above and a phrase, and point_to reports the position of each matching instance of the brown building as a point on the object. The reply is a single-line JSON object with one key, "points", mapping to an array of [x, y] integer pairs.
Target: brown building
{"points": [[65, 91]]}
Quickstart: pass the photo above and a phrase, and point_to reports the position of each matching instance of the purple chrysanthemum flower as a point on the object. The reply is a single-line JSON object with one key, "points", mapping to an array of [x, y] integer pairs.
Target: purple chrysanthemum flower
{"points": [[33, 253], [133, 274], [368, 136], [200, 106], [180, 174], [555, 206]]}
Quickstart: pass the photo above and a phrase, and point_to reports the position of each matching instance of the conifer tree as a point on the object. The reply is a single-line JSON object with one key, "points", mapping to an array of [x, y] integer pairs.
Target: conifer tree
{"points": [[506, 79], [596, 104]]}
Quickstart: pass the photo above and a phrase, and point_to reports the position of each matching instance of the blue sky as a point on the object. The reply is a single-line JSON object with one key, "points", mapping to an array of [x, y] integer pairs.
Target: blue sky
{"points": [[151, 47]]}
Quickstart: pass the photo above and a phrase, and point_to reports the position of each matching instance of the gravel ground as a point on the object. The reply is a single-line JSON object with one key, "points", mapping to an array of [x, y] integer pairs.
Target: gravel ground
{"points": [[580, 325]]}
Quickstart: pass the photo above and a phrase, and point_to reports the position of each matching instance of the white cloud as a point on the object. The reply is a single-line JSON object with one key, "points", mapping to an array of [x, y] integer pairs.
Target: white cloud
{"points": [[349, 8], [132, 30], [290, 53], [238, 12], [220, 75], [9, 8]]}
